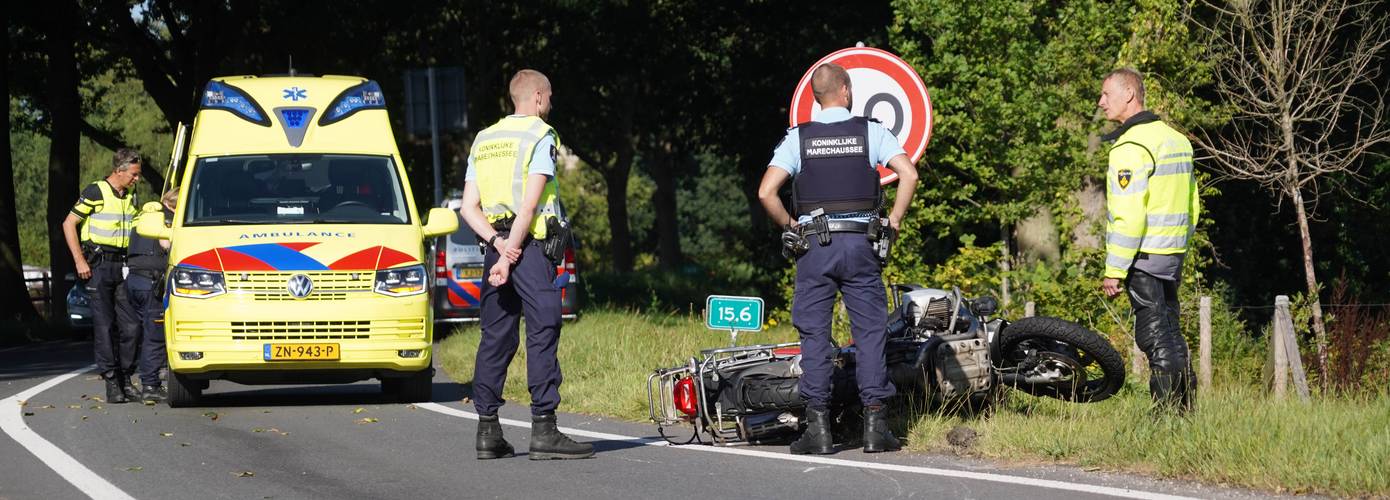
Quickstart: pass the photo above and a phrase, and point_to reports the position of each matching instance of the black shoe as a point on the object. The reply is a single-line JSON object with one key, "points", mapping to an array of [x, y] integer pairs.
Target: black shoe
{"points": [[152, 394], [114, 394], [490, 442], [547, 443], [131, 393], [816, 440], [877, 436]]}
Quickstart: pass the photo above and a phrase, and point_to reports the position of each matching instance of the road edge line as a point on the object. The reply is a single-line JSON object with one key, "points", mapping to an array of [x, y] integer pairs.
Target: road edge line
{"points": [[913, 469], [67, 467]]}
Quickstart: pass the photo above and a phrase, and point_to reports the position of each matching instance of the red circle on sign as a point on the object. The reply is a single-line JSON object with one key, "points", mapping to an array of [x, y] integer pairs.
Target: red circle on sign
{"points": [[915, 139]]}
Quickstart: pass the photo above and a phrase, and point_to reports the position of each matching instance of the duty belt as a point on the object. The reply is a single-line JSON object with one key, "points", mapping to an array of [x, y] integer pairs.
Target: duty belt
{"points": [[835, 226]]}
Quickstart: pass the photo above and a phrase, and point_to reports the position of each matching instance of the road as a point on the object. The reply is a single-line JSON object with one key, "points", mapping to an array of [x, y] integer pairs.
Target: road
{"points": [[347, 441]]}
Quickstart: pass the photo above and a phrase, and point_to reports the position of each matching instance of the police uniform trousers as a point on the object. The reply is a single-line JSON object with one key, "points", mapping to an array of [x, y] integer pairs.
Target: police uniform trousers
{"points": [[148, 305], [1159, 335], [530, 289], [848, 265], [115, 337]]}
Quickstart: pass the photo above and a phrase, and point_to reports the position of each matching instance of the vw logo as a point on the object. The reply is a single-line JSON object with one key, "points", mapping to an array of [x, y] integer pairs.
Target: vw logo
{"points": [[299, 286]]}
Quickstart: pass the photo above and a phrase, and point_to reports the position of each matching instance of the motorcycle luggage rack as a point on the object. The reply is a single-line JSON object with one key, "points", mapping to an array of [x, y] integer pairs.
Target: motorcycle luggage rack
{"points": [[725, 431]]}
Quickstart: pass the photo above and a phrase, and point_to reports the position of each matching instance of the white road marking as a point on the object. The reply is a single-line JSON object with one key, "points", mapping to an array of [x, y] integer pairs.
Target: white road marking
{"points": [[12, 421], [929, 471]]}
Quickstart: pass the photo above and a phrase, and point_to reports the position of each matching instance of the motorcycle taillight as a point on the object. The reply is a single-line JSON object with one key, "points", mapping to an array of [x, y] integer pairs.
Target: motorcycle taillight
{"points": [[684, 396]]}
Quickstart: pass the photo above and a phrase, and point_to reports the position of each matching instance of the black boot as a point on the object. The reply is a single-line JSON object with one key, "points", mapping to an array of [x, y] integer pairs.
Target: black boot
{"points": [[490, 442], [152, 394], [114, 393], [877, 437], [131, 393], [816, 440], [547, 443]]}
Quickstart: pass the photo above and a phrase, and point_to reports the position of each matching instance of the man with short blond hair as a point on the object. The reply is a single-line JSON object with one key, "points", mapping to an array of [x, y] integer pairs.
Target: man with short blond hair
{"points": [[511, 201]]}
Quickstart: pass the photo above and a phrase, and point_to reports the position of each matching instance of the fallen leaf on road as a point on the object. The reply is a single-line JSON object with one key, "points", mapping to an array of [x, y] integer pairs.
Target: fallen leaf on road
{"points": [[278, 431], [25, 402], [75, 407], [212, 415], [359, 410], [97, 399], [166, 434], [411, 407], [265, 411], [134, 469], [185, 444], [258, 429], [47, 407], [368, 420], [94, 377], [94, 407], [245, 473], [467, 400], [1091, 469], [28, 413], [148, 402], [84, 417]]}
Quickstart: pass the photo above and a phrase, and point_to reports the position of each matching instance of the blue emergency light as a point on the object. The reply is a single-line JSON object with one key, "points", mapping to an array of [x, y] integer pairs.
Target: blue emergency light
{"points": [[366, 95], [220, 95], [294, 118]]}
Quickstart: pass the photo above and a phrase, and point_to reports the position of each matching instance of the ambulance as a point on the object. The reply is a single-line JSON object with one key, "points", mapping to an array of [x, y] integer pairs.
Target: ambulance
{"points": [[297, 251]]}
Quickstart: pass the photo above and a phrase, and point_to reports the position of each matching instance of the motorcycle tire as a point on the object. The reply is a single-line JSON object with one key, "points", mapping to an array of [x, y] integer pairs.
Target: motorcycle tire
{"points": [[769, 393], [1063, 341]]}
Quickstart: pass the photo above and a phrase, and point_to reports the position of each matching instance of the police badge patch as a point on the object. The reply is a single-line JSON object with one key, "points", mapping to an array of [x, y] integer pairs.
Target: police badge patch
{"points": [[554, 153], [1123, 178]]}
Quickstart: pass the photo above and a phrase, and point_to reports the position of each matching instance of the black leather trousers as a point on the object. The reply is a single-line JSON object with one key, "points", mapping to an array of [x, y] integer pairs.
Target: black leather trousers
{"points": [[1159, 335]]}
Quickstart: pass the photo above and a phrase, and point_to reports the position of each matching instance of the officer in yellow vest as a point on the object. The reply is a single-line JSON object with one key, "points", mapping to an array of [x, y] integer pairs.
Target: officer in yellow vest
{"points": [[1153, 206], [106, 211], [510, 202]]}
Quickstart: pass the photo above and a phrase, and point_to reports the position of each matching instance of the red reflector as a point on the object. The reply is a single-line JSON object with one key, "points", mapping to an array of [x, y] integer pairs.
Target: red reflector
{"points": [[569, 259], [684, 395], [787, 351]]}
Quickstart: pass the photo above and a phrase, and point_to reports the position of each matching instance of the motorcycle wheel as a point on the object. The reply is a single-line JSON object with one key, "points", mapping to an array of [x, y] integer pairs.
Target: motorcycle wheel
{"points": [[1059, 359]]}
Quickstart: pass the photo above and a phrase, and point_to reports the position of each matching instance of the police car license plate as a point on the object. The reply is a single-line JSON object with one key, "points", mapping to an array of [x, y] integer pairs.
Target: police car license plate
{"points": [[297, 352], [464, 273]]}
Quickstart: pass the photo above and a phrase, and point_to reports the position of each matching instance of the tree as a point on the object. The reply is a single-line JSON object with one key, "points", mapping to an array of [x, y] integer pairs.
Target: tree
{"points": [[14, 297], [64, 113], [1303, 78]]}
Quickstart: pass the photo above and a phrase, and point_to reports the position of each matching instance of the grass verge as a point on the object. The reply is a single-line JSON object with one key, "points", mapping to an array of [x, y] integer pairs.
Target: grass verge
{"points": [[1237, 436]]}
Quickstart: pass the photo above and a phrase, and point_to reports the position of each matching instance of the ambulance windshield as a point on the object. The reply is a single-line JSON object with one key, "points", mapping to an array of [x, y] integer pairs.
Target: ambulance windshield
{"points": [[296, 189]]}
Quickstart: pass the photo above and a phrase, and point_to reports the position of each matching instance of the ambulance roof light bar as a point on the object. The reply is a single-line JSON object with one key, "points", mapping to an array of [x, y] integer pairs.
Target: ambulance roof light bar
{"points": [[226, 97]]}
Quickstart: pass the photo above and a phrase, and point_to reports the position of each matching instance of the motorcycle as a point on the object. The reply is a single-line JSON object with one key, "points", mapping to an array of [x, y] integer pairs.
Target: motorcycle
{"points": [[941, 348]]}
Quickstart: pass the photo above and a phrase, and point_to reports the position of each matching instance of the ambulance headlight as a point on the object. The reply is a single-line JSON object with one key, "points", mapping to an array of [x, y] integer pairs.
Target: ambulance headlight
{"points": [[366, 95], [401, 281], [196, 283]]}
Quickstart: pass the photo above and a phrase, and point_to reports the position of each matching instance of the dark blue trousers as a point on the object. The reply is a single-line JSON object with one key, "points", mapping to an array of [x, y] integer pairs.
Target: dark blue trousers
{"points": [[148, 307], [847, 265], [115, 338], [531, 290]]}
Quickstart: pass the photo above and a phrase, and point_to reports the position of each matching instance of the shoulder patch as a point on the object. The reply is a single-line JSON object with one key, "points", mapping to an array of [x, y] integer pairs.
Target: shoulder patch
{"points": [[1123, 177], [554, 153]]}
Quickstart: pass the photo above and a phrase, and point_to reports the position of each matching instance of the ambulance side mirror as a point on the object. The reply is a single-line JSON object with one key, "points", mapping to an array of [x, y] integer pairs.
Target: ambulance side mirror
{"points": [[152, 226], [440, 221]]}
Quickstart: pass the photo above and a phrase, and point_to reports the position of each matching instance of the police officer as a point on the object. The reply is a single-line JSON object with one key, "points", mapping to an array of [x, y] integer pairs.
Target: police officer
{"points": [[149, 257], [510, 202], [835, 195], [106, 210], [1153, 205]]}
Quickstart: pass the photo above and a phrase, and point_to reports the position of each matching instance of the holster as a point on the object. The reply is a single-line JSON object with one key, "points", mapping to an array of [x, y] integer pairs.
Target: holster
{"points": [[557, 240], [882, 234]]}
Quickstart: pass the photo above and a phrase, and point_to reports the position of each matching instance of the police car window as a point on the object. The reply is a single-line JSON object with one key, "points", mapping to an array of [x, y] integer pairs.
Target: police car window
{"points": [[296, 189]]}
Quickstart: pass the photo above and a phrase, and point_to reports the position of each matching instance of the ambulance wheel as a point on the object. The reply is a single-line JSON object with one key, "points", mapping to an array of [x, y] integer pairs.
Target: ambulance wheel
{"points": [[183, 391], [416, 388]]}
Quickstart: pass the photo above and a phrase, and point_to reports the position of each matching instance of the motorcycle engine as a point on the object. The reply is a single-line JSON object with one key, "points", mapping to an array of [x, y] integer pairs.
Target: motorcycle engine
{"points": [[928, 309]]}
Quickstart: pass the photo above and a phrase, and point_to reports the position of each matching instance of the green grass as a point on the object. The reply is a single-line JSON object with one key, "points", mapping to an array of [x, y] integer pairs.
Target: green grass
{"points": [[1237, 436]]}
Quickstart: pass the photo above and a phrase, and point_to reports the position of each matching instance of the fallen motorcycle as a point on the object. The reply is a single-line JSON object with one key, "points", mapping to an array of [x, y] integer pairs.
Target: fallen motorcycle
{"points": [[941, 348]]}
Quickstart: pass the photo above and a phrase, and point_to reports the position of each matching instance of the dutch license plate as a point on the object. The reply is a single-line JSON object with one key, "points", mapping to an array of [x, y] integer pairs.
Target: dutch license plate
{"points": [[296, 352], [464, 273]]}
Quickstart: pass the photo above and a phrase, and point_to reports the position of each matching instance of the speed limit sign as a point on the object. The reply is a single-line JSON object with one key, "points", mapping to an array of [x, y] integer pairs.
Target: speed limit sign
{"points": [[885, 88]]}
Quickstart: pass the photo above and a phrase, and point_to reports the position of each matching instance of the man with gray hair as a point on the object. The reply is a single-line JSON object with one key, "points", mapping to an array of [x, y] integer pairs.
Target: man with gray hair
{"points": [[106, 211], [838, 228]]}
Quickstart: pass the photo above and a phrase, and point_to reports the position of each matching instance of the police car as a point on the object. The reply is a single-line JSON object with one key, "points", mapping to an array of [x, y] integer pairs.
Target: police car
{"points": [[458, 268]]}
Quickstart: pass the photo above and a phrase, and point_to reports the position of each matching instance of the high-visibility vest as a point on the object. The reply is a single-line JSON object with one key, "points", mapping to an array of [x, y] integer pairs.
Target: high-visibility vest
{"points": [[1152, 196], [110, 220], [502, 163]]}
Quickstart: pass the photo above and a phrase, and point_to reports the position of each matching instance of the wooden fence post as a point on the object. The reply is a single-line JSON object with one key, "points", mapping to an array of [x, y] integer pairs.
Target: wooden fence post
{"points": [[1029, 309], [1204, 346], [1276, 344], [1292, 356]]}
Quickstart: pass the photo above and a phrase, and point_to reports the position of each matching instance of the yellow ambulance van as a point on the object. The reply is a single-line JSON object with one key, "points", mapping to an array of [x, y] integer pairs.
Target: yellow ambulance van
{"points": [[297, 251]]}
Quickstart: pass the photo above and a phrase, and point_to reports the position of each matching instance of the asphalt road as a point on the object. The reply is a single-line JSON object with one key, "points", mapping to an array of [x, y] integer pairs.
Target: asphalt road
{"points": [[347, 441]]}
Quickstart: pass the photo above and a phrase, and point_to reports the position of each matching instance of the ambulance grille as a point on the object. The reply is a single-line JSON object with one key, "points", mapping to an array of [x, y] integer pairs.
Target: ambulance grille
{"points": [[328, 285], [382, 329]]}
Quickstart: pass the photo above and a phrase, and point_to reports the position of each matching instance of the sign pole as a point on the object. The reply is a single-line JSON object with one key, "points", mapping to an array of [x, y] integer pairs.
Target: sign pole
{"points": [[434, 138]]}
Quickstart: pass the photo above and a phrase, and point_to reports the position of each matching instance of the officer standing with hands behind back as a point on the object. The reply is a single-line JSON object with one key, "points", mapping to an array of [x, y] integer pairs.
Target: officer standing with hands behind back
{"points": [[837, 202], [106, 211], [510, 201]]}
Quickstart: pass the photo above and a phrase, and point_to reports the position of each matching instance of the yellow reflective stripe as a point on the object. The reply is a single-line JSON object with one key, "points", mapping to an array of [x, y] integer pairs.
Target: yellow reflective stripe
{"points": [[1165, 220]]}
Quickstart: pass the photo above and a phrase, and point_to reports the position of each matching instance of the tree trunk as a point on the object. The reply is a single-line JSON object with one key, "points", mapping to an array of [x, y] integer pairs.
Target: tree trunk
{"points": [[620, 242], [1319, 330], [14, 296], [1005, 264], [64, 135], [663, 163]]}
